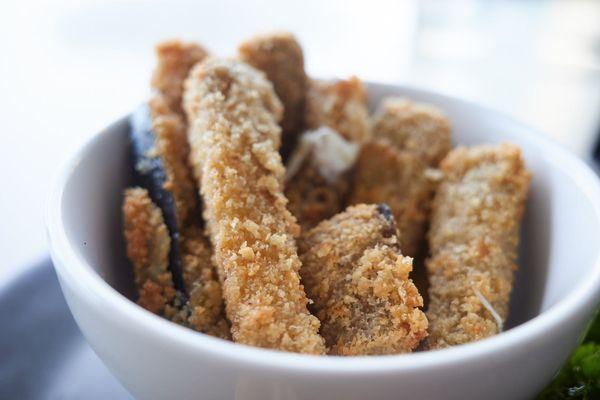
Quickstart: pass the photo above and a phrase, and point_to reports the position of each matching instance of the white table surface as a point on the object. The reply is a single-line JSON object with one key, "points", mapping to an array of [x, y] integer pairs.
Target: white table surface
{"points": [[68, 68]]}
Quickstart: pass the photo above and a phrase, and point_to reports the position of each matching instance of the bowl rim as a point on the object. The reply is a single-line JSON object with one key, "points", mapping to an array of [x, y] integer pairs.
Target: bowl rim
{"points": [[83, 279]]}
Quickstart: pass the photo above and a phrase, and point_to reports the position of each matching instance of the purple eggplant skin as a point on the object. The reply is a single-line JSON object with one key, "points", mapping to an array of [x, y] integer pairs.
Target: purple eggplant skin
{"points": [[149, 173]]}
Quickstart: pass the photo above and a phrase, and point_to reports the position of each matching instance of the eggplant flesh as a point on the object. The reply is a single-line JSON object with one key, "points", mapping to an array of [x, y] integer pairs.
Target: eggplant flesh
{"points": [[149, 173]]}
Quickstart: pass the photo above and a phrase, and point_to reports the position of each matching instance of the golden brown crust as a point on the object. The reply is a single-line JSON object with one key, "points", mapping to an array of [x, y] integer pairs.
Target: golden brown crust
{"points": [[204, 308], [221, 88], [473, 242], [341, 105], [280, 57], [408, 138], [416, 128], [312, 199], [173, 149], [399, 179], [205, 300], [417, 136], [353, 270], [196, 254], [148, 243], [318, 176], [175, 59], [233, 113]]}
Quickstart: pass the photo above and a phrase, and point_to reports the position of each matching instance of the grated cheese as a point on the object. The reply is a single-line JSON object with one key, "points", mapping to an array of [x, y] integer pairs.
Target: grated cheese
{"points": [[331, 154]]}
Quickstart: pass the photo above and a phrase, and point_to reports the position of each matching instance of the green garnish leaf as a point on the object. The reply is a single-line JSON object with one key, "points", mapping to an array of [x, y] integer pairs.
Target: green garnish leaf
{"points": [[580, 377]]}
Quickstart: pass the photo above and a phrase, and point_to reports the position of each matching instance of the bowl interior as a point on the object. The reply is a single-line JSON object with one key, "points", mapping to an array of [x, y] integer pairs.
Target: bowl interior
{"points": [[556, 251]]}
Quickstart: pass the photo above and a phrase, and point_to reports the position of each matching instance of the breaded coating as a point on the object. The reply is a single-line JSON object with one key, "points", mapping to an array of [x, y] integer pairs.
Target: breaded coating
{"points": [[280, 57], [173, 149], [415, 128], [401, 180], [318, 176], [340, 105], [204, 310], [473, 242], [354, 272], [233, 113], [205, 299], [148, 244], [417, 137], [312, 199], [196, 250], [175, 59], [408, 139]]}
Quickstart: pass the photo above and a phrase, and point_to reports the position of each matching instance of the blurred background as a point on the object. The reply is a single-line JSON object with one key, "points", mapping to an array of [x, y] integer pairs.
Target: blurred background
{"points": [[69, 68]]}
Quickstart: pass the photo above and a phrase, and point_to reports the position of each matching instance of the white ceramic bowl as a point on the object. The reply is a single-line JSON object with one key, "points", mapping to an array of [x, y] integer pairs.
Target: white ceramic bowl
{"points": [[557, 289]]}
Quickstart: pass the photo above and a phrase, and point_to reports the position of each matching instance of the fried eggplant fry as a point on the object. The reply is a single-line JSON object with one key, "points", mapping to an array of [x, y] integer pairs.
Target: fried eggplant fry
{"points": [[280, 57], [401, 180], [161, 151], [148, 244], [340, 105], [409, 139], [171, 146], [417, 137], [337, 114], [175, 60], [359, 282], [233, 113], [473, 242], [205, 311], [416, 128], [318, 176]]}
